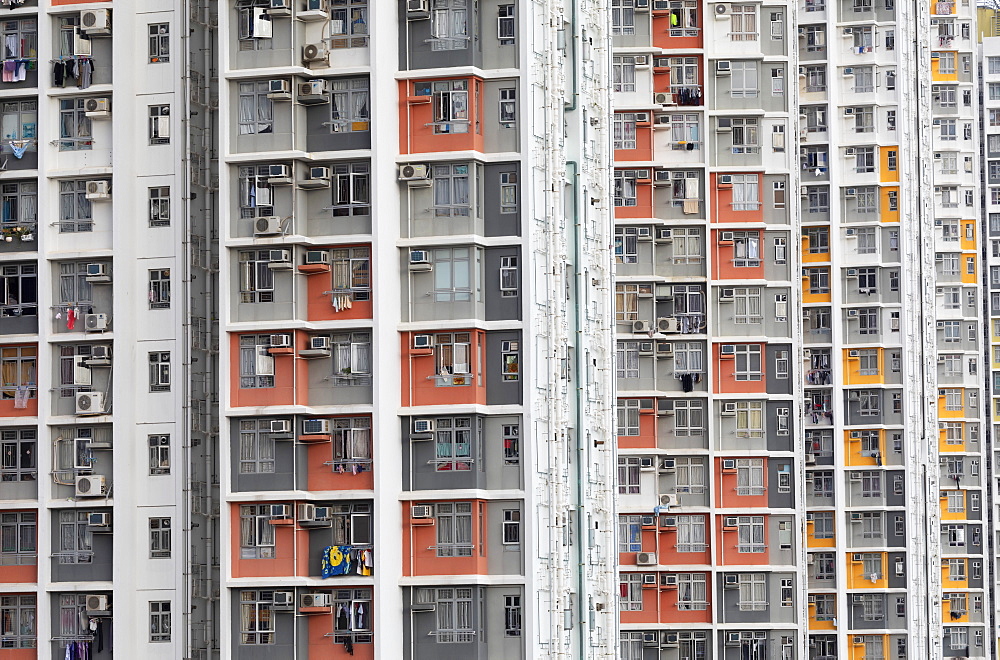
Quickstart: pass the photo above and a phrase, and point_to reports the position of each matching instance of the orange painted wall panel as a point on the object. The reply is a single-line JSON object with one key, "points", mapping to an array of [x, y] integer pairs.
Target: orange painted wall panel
{"points": [[19, 654], [722, 202], [725, 490], [670, 613], [291, 379], [321, 477], [7, 408], [319, 308], [650, 608], [322, 647], [668, 555], [643, 202], [419, 537], [727, 552], [724, 269], [420, 383], [643, 145], [647, 434], [20, 575], [661, 32], [284, 563], [726, 382], [416, 113]]}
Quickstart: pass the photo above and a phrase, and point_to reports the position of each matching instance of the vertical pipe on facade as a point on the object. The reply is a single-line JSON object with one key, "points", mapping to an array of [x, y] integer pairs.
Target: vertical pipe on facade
{"points": [[183, 347]]}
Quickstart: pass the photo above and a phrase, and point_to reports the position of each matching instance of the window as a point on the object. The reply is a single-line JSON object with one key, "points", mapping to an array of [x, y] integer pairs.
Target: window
{"points": [[864, 119], [349, 111], [688, 245], [451, 190], [74, 125], [256, 277], [689, 416], [452, 274], [506, 26], [18, 449], [256, 110], [823, 525], [508, 104], [746, 195], [750, 476], [18, 205], [825, 606], [745, 135], [691, 534], [623, 73], [18, 621], [627, 364], [454, 529], [453, 359], [749, 419], [508, 192], [449, 102], [746, 303], [449, 25], [453, 440], [689, 474], [352, 444], [692, 591], [815, 120], [750, 534], [159, 621], [685, 132], [622, 17], [19, 125], [945, 96], [159, 124], [512, 616], [74, 207], [18, 373], [628, 475], [743, 23], [75, 538], [864, 159], [753, 592], [255, 191], [511, 527], [159, 206], [351, 189], [348, 23], [816, 81], [510, 434], [256, 617], [351, 273], [630, 596], [624, 130], [948, 129], [256, 364], [354, 623], [352, 524], [864, 78], [352, 359], [748, 362], [20, 39], [159, 288], [18, 538], [255, 28], [159, 43], [159, 371], [454, 615], [868, 362], [817, 199], [629, 533], [744, 81], [871, 525], [159, 454], [625, 187], [256, 532]]}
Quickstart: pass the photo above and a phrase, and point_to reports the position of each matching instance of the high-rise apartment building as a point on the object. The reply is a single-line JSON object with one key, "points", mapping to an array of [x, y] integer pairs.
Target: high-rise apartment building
{"points": [[304, 330], [802, 467], [639, 329]]}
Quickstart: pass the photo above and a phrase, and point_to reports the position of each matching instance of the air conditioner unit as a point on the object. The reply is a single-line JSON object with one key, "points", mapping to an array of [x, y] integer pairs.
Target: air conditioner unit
{"points": [[320, 343], [97, 108], [850, 152], [279, 174], [727, 295], [669, 639], [664, 349], [648, 521], [646, 348], [98, 272], [848, 112], [89, 403], [91, 485], [98, 603], [668, 325], [312, 91], [315, 600], [420, 260], [650, 638], [315, 53], [96, 21], [280, 8], [728, 409], [731, 580], [848, 71], [645, 559], [668, 500], [279, 90], [279, 257], [664, 291], [642, 117], [267, 225], [666, 407], [723, 68], [661, 176], [307, 512], [423, 341], [423, 426], [646, 463], [95, 322], [721, 10], [280, 511], [853, 354], [724, 125], [281, 340], [319, 177], [417, 6], [641, 60], [315, 427], [98, 520], [283, 600], [410, 172], [99, 355], [661, 98], [640, 326], [98, 190], [731, 522], [852, 313], [421, 511], [729, 464], [727, 349], [317, 258]]}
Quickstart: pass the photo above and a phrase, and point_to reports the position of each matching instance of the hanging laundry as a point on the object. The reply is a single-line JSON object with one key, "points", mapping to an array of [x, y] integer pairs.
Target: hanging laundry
{"points": [[21, 394], [70, 319], [336, 560]]}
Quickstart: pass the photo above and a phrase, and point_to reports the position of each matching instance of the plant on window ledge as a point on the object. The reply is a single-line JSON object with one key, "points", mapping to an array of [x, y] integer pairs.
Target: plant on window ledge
{"points": [[22, 233]]}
